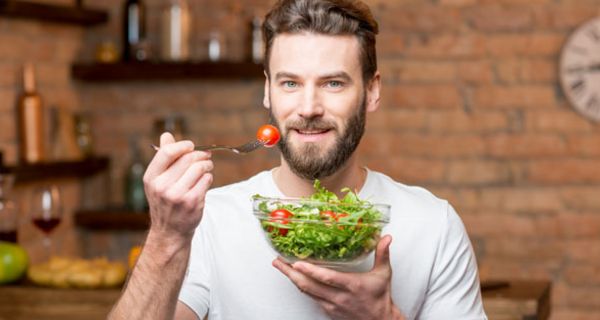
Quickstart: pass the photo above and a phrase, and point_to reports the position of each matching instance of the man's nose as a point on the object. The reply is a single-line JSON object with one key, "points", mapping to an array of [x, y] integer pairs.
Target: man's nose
{"points": [[311, 103]]}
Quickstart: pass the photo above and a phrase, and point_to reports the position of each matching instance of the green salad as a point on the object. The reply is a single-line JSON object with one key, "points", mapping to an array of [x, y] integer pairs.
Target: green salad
{"points": [[321, 227]]}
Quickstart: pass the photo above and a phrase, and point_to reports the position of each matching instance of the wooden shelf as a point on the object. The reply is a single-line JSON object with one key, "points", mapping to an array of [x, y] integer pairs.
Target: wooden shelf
{"points": [[112, 219], [52, 13], [520, 299], [123, 71], [61, 169]]}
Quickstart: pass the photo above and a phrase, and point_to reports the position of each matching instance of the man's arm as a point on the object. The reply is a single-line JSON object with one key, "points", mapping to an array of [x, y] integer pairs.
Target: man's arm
{"points": [[176, 182]]}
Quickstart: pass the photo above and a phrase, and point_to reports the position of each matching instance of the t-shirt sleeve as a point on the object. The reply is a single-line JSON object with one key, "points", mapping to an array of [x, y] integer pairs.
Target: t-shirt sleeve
{"points": [[195, 290], [454, 289]]}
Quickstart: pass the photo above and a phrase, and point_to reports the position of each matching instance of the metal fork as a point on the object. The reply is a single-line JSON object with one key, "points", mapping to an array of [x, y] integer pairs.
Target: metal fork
{"points": [[242, 149]]}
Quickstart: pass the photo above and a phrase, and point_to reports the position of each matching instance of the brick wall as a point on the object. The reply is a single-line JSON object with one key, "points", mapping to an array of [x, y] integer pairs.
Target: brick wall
{"points": [[472, 110]]}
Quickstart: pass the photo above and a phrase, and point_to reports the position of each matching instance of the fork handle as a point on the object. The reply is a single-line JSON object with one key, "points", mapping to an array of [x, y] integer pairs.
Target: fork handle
{"points": [[212, 147]]}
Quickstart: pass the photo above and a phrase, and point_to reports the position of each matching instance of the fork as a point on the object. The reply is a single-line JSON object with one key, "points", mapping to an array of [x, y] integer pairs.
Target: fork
{"points": [[242, 149]]}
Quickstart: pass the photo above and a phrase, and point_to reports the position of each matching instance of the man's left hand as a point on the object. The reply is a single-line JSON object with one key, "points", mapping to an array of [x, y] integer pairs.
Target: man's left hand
{"points": [[348, 295]]}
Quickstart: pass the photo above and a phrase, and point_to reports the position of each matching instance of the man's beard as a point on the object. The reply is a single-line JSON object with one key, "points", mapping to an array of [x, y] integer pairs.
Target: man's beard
{"points": [[306, 161]]}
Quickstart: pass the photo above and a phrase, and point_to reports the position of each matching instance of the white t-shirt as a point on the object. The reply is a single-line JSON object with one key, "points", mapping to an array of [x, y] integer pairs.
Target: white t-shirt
{"points": [[230, 275]]}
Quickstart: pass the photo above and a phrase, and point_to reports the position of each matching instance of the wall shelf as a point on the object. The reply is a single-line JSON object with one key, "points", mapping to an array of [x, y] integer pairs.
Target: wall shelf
{"points": [[112, 219], [123, 71], [60, 169], [52, 13]]}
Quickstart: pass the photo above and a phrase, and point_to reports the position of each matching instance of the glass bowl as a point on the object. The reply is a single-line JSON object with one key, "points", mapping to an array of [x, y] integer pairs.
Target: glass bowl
{"points": [[329, 234]]}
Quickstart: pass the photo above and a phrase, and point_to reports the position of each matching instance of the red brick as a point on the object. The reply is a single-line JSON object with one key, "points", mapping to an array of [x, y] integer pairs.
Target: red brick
{"points": [[583, 274], [448, 146], [517, 199], [538, 250], [583, 251], [408, 170], [502, 224], [424, 18], [581, 197], [390, 44], [526, 45], [8, 100], [501, 268], [422, 96], [445, 46], [426, 72], [10, 75], [461, 122], [475, 72], [564, 16], [563, 121], [507, 97], [391, 120], [585, 145], [525, 146], [564, 171], [457, 3], [579, 296], [478, 173], [494, 18], [561, 313]]}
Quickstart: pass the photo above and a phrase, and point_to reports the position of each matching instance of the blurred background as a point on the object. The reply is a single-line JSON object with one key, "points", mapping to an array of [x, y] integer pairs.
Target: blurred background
{"points": [[477, 107]]}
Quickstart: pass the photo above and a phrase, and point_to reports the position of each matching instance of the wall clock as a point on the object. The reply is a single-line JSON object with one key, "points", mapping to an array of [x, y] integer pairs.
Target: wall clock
{"points": [[579, 69]]}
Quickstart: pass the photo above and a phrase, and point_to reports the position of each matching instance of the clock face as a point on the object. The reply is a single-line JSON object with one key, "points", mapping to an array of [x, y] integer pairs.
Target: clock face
{"points": [[580, 69]]}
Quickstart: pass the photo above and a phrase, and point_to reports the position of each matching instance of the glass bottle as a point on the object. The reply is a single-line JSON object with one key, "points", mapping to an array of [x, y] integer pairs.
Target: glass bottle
{"points": [[175, 31], [8, 211], [30, 120], [135, 197], [134, 31]]}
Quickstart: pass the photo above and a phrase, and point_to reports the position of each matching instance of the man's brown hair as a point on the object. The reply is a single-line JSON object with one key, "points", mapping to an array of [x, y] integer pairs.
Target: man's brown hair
{"points": [[328, 17]]}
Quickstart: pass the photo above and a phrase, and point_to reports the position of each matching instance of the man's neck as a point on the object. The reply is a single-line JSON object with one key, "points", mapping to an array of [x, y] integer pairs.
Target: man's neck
{"points": [[291, 185]]}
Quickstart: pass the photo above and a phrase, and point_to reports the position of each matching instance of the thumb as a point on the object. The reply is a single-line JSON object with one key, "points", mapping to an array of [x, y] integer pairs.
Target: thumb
{"points": [[166, 138], [382, 253]]}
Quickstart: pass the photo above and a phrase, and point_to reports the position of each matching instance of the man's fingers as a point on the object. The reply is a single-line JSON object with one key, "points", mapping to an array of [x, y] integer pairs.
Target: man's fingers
{"points": [[166, 138], [305, 283], [326, 276], [166, 155], [382, 253], [191, 175]]}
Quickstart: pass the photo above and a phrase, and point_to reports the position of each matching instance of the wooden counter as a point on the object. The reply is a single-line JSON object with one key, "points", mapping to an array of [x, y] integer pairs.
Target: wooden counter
{"points": [[29, 303], [515, 300]]}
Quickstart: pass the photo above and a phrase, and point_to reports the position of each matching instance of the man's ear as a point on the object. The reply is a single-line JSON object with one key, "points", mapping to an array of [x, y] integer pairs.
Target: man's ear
{"points": [[373, 92], [266, 100]]}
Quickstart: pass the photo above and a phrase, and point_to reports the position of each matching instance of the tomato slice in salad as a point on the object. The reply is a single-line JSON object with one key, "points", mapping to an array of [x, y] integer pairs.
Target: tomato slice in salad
{"points": [[280, 216]]}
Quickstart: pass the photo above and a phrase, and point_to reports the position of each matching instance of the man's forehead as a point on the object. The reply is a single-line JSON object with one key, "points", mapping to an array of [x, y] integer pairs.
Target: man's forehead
{"points": [[316, 52]]}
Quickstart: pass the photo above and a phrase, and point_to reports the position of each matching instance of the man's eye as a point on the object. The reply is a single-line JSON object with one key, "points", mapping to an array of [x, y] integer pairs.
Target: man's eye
{"points": [[335, 84], [290, 84]]}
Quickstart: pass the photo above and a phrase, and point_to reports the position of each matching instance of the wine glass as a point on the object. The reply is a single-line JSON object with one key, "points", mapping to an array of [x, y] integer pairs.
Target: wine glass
{"points": [[46, 211]]}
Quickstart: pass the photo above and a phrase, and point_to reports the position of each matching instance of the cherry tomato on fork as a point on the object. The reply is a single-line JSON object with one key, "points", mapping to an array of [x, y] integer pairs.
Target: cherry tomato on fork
{"points": [[268, 134]]}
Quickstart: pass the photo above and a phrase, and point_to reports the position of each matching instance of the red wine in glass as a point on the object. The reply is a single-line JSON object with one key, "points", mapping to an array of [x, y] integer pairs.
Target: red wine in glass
{"points": [[46, 225], [8, 235]]}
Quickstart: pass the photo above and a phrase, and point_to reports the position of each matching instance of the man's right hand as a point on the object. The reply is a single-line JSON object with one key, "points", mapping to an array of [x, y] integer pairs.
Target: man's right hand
{"points": [[176, 183]]}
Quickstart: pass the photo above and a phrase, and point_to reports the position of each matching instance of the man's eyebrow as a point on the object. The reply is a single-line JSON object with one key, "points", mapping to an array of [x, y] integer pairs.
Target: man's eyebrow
{"points": [[282, 74], [339, 75]]}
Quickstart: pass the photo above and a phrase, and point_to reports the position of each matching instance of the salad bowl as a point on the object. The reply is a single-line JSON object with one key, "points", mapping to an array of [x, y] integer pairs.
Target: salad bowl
{"points": [[321, 229]]}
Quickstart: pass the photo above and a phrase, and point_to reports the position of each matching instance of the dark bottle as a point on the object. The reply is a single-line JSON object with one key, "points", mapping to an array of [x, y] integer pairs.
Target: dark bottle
{"points": [[134, 31]]}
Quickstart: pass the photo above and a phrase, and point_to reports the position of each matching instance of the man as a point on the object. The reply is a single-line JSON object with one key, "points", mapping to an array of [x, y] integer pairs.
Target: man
{"points": [[321, 80]]}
